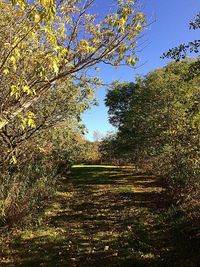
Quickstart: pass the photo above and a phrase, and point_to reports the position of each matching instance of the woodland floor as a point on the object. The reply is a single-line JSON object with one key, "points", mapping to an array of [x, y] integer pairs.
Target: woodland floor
{"points": [[104, 217]]}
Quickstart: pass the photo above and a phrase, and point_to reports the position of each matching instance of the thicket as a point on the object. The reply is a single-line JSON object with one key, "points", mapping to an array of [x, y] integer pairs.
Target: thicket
{"points": [[35, 150], [158, 121]]}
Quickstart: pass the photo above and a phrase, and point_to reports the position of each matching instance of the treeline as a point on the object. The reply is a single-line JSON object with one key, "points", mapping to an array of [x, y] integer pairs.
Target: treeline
{"points": [[158, 122]]}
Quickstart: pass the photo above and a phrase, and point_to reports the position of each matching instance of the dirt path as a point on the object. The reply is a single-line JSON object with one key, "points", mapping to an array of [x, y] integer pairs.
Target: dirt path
{"points": [[103, 217]]}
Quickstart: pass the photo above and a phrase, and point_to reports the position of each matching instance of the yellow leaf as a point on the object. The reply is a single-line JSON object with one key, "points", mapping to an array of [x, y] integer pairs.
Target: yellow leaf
{"points": [[13, 160], [17, 54], [48, 3], [13, 60], [55, 67], [31, 123], [6, 71], [2, 122], [14, 89], [7, 44], [37, 18], [31, 117], [26, 89], [122, 21]]}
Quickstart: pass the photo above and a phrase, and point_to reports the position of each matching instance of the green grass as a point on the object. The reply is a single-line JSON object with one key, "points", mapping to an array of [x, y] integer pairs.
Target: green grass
{"points": [[102, 216], [94, 166]]}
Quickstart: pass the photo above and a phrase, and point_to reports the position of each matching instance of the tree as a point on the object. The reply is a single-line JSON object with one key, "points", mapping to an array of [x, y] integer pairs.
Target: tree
{"points": [[118, 100], [89, 153], [45, 41], [181, 51], [162, 121], [60, 106], [46, 49]]}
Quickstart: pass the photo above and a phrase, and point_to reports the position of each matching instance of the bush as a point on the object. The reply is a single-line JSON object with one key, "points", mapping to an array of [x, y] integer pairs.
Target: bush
{"points": [[22, 192], [159, 123]]}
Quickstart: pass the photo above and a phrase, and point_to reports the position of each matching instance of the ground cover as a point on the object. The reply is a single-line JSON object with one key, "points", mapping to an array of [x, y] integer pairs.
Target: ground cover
{"points": [[104, 216]]}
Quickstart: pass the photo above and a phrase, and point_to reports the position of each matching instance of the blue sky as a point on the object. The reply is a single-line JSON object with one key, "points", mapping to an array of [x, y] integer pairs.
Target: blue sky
{"points": [[169, 29]]}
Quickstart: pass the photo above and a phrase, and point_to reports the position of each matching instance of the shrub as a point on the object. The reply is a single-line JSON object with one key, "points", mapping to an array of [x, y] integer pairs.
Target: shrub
{"points": [[22, 192]]}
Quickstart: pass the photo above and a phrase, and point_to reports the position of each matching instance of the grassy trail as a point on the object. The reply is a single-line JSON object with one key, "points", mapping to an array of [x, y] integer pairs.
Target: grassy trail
{"points": [[102, 217]]}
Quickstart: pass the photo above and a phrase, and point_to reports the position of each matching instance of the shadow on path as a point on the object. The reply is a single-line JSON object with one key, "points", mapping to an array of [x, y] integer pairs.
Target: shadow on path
{"points": [[104, 217]]}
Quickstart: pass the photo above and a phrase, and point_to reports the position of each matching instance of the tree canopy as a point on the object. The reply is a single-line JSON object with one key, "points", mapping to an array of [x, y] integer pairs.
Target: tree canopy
{"points": [[47, 48], [45, 41]]}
